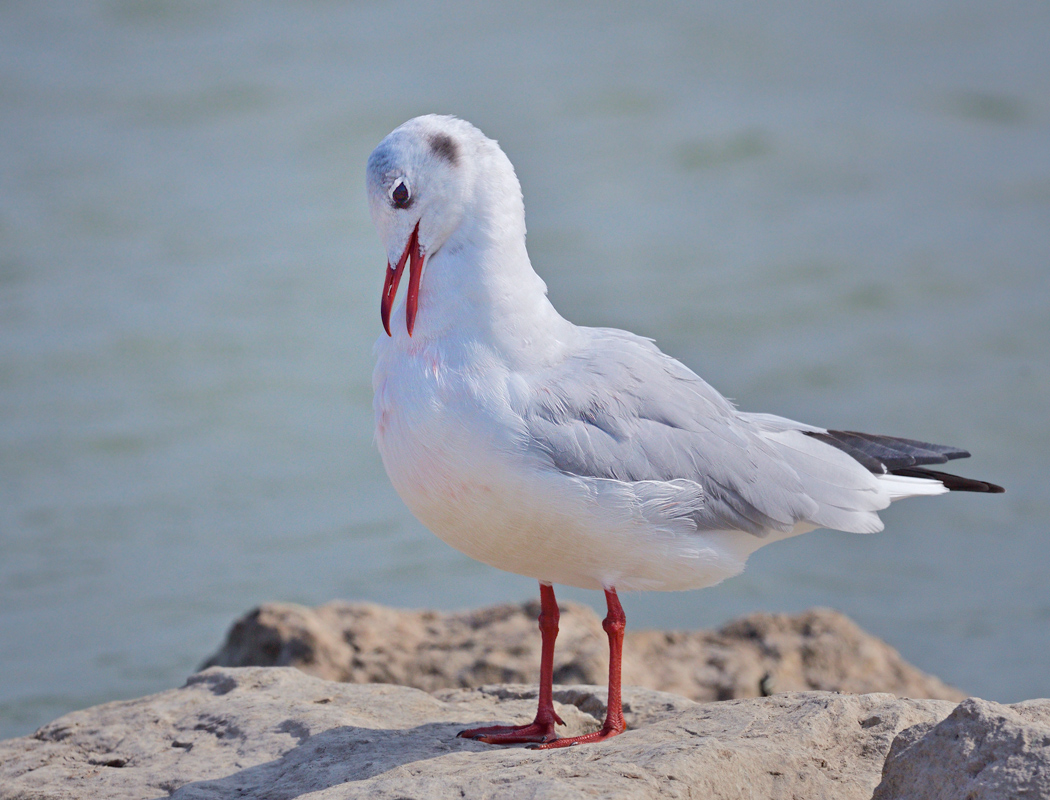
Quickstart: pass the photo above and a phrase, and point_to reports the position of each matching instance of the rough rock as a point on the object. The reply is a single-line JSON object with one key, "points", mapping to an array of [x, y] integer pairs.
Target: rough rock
{"points": [[279, 733], [366, 643], [982, 751]]}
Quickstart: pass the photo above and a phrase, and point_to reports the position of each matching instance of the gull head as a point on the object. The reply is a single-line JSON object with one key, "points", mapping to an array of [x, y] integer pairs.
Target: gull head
{"points": [[434, 183]]}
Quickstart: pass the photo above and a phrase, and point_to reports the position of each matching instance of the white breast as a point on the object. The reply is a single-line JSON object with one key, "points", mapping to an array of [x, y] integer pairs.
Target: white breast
{"points": [[457, 454]]}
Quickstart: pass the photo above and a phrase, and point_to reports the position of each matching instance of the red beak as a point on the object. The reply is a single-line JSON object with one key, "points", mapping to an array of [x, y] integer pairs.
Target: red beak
{"points": [[414, 255]]}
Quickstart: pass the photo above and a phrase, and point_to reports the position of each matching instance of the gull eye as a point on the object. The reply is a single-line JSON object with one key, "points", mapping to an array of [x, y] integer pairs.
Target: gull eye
{"points": [[400, 196]]}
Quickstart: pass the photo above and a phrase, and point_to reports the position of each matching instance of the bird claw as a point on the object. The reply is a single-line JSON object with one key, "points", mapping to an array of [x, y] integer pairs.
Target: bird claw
{"points": [[534, 732], [537, 735], [573, 741]]}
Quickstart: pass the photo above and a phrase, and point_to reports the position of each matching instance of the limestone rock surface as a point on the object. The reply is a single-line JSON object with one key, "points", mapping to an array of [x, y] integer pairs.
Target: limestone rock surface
{"points": [[981, 751], [278, 733], [368, 643]]}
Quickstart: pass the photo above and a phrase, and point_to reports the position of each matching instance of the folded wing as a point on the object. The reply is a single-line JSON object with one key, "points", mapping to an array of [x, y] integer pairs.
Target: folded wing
{"points": [[619, 409]]}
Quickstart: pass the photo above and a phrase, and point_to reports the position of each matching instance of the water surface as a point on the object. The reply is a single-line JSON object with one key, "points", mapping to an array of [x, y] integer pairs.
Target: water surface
{"points": [[840, 214]]}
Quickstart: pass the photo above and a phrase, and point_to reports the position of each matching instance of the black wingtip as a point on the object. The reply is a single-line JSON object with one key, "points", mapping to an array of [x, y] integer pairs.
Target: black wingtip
{"points": [[953, 483], [898, 456]]}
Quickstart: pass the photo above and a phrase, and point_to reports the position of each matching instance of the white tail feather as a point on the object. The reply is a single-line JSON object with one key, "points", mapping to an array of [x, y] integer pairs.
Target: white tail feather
{"points": [[901, 486]]}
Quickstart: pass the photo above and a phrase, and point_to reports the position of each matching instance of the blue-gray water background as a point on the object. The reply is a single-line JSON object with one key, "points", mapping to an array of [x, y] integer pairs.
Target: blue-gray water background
{"points": [[836, 212]]}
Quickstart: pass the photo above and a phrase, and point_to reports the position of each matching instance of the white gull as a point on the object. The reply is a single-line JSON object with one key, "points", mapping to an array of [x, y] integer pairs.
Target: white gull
{"points": [[579, 456]]}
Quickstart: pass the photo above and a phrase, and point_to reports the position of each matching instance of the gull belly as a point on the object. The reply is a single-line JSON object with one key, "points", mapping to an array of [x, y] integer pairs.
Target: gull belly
{"points": [[456, 453]]}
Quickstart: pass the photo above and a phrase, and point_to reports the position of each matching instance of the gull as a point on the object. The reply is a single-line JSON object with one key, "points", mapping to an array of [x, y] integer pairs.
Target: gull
{"points": [[574, 455]]}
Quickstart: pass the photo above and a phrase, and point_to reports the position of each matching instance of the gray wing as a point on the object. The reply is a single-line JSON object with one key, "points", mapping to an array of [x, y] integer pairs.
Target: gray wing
{"points": [[620, 409]]}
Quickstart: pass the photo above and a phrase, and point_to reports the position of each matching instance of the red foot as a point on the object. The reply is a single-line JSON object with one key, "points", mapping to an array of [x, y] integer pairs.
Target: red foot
{"points": [[513, 734], [598, 736], [540, 731]]}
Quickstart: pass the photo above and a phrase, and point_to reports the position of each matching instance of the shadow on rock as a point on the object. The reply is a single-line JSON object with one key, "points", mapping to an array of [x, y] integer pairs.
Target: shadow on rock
{"points": [[330, 758]]}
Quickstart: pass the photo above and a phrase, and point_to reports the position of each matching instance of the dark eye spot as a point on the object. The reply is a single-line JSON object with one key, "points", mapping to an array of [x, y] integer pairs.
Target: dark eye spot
{"points": [[400, 196], [442, 145]]}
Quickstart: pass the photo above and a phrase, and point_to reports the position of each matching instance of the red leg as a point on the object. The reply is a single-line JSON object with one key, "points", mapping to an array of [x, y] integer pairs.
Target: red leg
{"points": [[614, 625], [540, 729]]}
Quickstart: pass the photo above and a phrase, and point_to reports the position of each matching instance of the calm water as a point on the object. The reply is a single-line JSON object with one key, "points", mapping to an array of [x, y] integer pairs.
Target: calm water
{"points": [[840, 214]]}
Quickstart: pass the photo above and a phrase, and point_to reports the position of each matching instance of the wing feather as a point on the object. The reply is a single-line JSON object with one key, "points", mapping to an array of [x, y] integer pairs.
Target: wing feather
{"points": [[619, 409]]}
